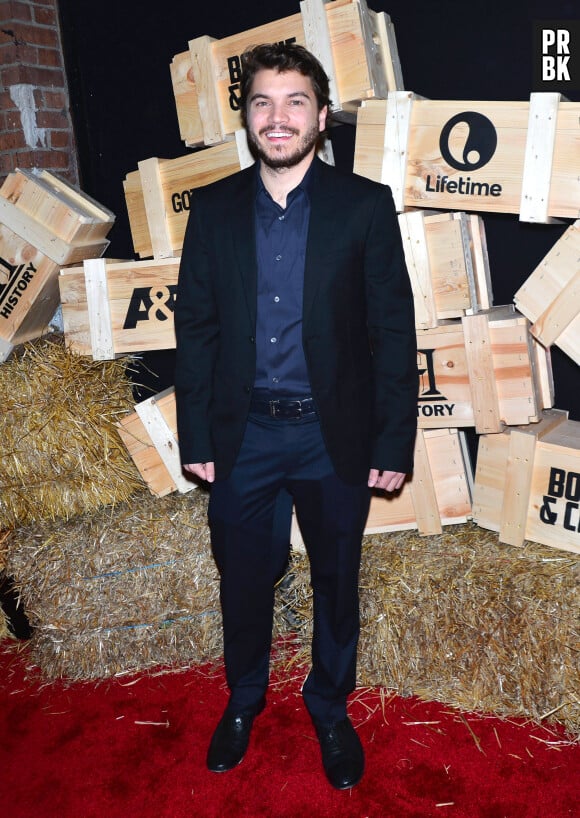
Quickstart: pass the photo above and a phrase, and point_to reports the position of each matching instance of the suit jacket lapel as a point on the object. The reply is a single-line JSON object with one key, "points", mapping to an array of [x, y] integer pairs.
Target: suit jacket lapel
{"points": [[320, 234], [244, 236]]}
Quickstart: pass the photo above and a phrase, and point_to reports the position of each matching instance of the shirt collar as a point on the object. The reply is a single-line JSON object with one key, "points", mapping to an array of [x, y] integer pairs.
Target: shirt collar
{"points": [[305, 185]]}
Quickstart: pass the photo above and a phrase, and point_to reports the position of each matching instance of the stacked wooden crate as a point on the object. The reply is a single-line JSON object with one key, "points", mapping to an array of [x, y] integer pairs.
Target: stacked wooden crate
{"points": [[45, 224], [504, 157], [482, 367]]}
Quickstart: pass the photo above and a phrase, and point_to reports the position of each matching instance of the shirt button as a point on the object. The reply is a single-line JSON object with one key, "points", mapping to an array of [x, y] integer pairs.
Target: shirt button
{"points": [[278, 257], [275, 380], [276, 298], [273, 340]]}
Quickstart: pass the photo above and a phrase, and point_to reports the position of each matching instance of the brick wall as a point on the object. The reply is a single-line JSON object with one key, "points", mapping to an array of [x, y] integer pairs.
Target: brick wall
{"points": [[35, 123]]}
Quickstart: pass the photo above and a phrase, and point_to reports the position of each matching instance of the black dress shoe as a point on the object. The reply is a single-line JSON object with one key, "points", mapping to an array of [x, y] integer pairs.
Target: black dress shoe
{"points": [[342, 753], [230, 740]]}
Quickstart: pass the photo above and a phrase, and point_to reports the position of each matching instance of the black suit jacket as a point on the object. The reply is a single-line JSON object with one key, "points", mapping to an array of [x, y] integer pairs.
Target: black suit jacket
{"points": [[358, 324]]}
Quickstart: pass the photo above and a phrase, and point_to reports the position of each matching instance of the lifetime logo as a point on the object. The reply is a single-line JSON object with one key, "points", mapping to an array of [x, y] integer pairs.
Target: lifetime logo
{"points": [[477, 149]]}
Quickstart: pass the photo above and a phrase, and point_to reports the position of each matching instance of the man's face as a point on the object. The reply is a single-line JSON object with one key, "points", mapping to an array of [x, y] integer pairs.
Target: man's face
{"points": [[283, 120]]}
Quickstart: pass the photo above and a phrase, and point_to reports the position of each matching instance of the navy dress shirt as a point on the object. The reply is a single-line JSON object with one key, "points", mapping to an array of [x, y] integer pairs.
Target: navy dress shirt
{"points": [[281, 235]]}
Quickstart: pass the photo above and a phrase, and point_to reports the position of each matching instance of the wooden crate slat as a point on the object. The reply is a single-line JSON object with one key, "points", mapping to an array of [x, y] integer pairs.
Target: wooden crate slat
{"points": [[385, 42], [414, 236], [317, 41], [203, 73], [152, 186], [539, 156], [422, 490], [480, 367], [520, 465], [99, 311], [481, 269], [186, 99], [164, 440]]}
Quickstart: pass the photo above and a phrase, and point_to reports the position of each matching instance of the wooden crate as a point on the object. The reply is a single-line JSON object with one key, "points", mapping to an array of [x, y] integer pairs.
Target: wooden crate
{"points": [[550, 297], [527, 483], [446, 255], [356, 46], [44, 224], [439, 492], [485, 370], [158, 194], [112, 307], [506, 157], [150, 435]]}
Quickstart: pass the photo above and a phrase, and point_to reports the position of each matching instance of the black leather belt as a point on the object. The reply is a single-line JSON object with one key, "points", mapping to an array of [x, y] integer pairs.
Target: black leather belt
{"points": [[283, 408]]}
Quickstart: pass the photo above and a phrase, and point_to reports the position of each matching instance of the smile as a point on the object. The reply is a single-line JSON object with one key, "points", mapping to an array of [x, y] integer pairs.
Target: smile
{"points": [[278, 134]]}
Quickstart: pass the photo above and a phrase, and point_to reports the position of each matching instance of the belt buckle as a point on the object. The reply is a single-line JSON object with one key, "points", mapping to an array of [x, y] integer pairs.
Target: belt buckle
{"points": [[291, 409]]}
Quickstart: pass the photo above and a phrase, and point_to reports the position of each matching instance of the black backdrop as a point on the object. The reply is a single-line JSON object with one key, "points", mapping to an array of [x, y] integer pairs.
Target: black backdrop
{"points": [[118, 54]]}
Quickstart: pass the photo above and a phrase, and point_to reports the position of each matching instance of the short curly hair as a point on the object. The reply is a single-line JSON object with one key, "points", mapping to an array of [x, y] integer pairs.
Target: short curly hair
{"points": [[282, 57]]}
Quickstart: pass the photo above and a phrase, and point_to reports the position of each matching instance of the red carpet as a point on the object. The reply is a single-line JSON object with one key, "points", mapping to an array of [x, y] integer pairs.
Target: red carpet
{"points": [[135, 747]]}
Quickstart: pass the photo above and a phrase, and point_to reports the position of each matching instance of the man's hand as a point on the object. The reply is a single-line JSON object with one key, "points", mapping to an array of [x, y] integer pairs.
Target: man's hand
{"points": [[205, 471], [386, 480]]}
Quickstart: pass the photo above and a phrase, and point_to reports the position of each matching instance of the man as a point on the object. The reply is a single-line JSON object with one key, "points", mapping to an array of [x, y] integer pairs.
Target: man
{"points": [[296, 373]]}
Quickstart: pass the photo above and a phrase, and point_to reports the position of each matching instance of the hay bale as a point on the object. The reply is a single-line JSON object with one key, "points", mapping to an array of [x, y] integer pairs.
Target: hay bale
{"points": [[457, 618], [462, 619], [124, 589], [61, 452]]}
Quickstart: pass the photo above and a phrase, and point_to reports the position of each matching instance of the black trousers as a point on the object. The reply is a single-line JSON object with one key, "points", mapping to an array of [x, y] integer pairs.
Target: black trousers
{"points": [[249, 517]]}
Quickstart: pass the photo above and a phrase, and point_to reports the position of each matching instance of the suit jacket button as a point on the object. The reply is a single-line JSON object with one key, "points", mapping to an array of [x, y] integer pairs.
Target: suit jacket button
{"points": [[247, 390], [252, 339]]}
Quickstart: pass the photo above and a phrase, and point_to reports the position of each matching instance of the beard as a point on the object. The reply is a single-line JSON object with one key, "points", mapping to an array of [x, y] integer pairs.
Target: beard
{"points": [[276, 157]]}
